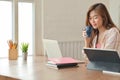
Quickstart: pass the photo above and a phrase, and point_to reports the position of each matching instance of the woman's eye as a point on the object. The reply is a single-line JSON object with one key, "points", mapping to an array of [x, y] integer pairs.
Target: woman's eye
{"points": [[90, 18], [95, 17]]}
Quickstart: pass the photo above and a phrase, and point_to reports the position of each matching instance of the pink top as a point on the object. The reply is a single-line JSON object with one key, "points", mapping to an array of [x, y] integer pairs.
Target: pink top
{"points": [[98, 45]]}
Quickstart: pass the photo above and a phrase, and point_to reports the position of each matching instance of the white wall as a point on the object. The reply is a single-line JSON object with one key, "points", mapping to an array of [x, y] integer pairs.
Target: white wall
{"points": [[64, 19], [115, 11], [38, 34]]}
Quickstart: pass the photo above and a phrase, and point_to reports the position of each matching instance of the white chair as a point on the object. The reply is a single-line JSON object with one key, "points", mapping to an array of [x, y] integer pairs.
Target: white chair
{"points": [[51, 48]]}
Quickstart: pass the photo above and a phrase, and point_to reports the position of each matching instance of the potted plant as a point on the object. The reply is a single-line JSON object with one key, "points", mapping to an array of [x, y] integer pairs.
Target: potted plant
{"points": [[24, 48]]}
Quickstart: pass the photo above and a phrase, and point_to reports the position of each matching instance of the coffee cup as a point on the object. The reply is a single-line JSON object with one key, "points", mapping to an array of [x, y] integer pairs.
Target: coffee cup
{"points": [[89, 30]]}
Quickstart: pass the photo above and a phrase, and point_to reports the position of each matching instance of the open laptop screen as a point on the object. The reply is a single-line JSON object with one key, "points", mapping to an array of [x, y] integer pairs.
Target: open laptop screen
{"points": [[102, 55], [105, 60]]}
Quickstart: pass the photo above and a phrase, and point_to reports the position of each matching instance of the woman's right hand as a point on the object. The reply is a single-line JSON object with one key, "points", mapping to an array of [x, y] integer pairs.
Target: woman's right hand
{"points": [[86, 39]]}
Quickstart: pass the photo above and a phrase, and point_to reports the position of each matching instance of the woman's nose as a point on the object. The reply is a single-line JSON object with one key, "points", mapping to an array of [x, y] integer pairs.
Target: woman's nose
{"points": [[92, 21]]}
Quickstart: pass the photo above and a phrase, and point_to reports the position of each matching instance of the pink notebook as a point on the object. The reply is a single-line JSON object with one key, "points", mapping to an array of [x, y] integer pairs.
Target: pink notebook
{"points": [[63, 60]]}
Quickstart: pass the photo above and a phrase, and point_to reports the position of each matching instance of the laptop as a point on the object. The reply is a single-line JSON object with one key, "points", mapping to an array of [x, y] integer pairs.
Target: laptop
{"points": [[103, 59]]}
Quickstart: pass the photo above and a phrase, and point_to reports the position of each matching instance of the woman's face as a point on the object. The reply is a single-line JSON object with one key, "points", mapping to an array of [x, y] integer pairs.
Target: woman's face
{"points": [[95, 20]]}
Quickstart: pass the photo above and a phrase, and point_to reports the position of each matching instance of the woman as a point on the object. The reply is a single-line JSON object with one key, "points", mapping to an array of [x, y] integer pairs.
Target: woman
{"points": [[105, 35]]}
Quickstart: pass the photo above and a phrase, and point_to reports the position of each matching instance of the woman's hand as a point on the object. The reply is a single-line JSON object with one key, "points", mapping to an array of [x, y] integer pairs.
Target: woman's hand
{"points": [[86, 39]]}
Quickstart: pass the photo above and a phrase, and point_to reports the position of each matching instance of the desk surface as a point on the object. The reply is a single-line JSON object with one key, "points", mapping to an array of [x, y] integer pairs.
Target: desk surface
{"points": [[35, 69]]}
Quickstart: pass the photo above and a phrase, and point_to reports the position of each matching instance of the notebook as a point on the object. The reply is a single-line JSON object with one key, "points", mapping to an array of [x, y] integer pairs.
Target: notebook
{"points": [[63, 62], [101, 59]]}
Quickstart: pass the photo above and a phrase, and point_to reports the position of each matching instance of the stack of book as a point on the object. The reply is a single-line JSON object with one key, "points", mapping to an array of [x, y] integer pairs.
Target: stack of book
{"points": [[63, 62]]}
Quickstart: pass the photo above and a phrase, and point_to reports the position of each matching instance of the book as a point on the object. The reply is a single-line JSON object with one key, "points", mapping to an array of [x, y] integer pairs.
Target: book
{"points": [[63, 62]]}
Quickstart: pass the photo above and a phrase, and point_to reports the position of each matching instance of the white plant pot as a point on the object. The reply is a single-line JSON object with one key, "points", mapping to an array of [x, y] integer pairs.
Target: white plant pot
{"points": [[25, 56]]}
